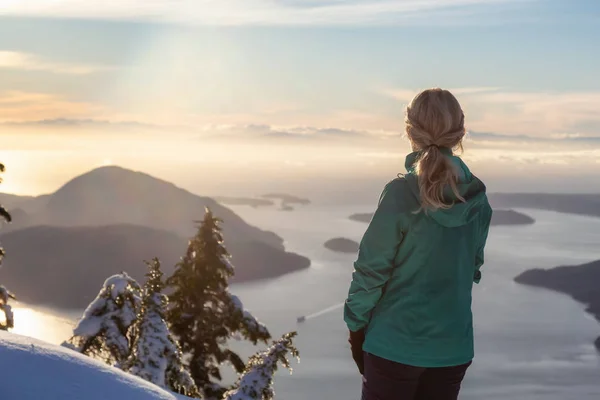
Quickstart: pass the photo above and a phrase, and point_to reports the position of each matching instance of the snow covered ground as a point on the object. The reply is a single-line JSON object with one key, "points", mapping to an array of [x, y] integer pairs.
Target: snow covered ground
{"points": [[33, 370]]}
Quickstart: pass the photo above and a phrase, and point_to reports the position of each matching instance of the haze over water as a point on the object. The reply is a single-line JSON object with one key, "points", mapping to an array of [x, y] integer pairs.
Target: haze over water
{"points": [[530, 343]]}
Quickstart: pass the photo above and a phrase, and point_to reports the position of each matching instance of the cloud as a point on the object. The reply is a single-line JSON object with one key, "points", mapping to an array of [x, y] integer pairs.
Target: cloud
{"points": [[91, 123], [555, 138], [30, 62], [264, 131], [540, 113], [24, 106], [406, 95], [259, 131], [473, 90], [560, 156], [543, 113], [380, 155], [258, 12]]}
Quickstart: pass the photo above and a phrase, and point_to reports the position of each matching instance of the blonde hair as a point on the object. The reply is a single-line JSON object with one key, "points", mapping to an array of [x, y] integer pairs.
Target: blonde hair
{"points": [[434, 120]]}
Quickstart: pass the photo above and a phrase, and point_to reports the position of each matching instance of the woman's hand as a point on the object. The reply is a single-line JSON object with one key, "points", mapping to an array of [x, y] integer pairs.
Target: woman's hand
{"points": [[356, 340]]}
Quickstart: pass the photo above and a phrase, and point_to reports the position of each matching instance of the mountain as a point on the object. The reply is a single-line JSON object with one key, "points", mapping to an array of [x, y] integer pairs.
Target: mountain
{"points": [[64, 267], [114, 195], [29, 204], [500, 217], [12, 200], [580, 282], [34, 370], [582, 204], [111, 219]]}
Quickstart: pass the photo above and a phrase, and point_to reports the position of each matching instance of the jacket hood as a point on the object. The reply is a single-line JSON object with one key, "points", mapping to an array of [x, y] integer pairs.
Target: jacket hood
{"points": [[469, 186]]}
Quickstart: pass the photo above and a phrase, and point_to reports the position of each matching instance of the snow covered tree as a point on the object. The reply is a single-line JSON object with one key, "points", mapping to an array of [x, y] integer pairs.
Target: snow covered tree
{"points": [[5, 295], [4, 214], [203, 314], [256, 383], [103, 330], [156, 356], [9, 321]]}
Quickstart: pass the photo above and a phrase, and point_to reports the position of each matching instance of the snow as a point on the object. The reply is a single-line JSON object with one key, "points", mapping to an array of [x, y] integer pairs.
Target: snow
{"points": [[34, 370], [237, 303], [156, 357], [257, 381], [104, 308], [118, 283], [109, 316], [249, 320], [228, 264]]}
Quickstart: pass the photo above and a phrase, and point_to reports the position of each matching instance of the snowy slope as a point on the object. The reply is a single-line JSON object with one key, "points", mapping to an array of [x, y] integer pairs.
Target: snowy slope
{"points": [[34, 370]]}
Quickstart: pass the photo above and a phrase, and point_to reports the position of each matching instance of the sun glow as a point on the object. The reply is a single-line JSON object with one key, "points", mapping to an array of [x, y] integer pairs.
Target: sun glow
{"points": [[40, 325], [29, 324]]}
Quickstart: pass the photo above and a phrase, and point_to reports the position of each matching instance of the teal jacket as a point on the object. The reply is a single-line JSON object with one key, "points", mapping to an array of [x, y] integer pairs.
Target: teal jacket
{"points": [[412, 281]]}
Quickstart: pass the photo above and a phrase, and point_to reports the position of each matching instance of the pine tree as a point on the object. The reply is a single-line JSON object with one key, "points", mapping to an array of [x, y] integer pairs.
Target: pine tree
{"points": [[104, 329], [5, 295], [156, 356], [203, 314], [256, 383]]}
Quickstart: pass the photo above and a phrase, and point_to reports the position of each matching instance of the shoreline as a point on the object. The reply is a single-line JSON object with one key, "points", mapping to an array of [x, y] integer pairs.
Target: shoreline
{"points": [[578, 282]]}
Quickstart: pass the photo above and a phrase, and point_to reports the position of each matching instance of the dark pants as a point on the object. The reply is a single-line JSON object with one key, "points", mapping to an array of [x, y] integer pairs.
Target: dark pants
{"points": [[388, 380]]}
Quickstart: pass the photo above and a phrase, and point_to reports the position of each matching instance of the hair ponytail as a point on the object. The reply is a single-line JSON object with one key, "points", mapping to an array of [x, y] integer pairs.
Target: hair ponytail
{"points": [[434, 119], [435, 172]]}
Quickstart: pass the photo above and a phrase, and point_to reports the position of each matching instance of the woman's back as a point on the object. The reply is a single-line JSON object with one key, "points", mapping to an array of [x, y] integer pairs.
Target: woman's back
{"points": [[409, 303], [423, 317]]}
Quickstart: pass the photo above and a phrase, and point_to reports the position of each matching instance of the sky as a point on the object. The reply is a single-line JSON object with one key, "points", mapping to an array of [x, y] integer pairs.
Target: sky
{"points": [[240, 96]]}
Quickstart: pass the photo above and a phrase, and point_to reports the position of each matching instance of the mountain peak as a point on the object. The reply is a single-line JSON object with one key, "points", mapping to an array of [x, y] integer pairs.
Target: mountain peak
{"points": [[116, 195], [114, 171], [114, 178]]}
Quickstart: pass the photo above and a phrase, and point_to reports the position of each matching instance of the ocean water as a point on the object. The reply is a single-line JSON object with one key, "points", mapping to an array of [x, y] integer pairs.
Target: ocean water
{"points": [[530, 343]]}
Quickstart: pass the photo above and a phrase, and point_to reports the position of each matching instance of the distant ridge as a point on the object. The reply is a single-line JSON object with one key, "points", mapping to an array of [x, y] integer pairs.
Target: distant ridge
{"points": [[65, 266], [580, 204], [113, 206], [114, 195], [500, 217], [580, 282]]}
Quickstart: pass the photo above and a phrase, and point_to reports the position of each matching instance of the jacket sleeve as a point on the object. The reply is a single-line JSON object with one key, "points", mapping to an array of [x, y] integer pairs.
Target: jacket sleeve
{"points": [[483, 234], [375, 261]]}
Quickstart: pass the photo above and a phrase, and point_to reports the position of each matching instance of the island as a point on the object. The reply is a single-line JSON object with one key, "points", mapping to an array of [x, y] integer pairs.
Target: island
{"points": [[575, 203], [500, 217], [286, 198], [342, 245], [580, 282], [284, 201], [244, 201], [511, 217], [361, 217]]}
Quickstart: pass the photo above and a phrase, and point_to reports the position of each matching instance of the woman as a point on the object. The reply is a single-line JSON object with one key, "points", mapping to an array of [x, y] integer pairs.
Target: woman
{"points": [[409, 303]]}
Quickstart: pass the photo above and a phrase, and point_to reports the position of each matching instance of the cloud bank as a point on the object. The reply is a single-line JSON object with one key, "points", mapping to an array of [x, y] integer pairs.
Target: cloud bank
{"points": [[30, 62], [258, 12], [571, 114], [20, 106]]}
